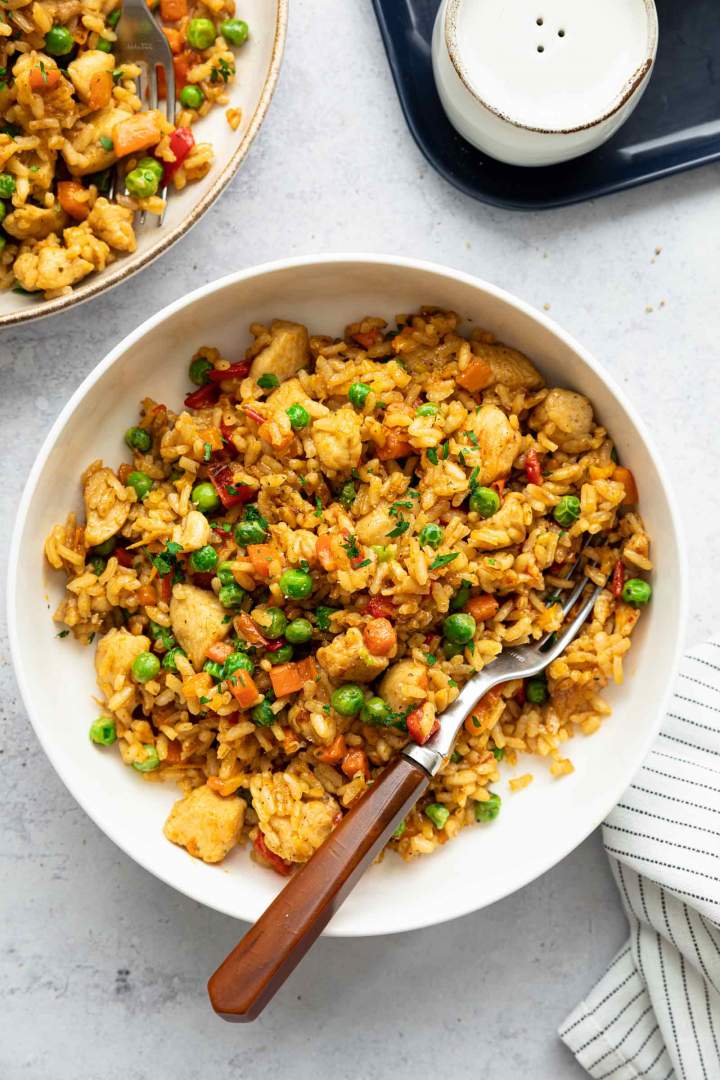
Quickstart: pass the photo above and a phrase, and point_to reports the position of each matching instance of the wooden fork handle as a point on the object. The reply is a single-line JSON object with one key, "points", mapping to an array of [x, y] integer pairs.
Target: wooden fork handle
{"points": [[258, 966]]}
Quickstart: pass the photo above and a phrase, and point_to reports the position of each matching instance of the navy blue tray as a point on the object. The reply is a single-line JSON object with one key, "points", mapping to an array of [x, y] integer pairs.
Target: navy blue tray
{"points": [[676, 126]]}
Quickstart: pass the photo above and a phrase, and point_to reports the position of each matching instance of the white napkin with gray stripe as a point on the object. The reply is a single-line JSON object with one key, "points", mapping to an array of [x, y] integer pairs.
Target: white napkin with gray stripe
{"points": [[656, 1011]]}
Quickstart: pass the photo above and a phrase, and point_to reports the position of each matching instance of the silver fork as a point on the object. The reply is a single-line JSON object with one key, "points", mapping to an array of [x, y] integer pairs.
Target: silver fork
{"points": [[250, 976], [141, 41]]}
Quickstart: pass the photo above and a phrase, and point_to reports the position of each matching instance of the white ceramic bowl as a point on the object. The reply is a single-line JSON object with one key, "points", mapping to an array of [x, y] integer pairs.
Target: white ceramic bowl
{"points": [[536, 827], [258, 67], [537, 82]]}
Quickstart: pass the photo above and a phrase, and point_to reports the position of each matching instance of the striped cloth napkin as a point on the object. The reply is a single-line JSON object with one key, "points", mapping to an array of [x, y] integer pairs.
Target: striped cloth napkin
{"points": [[656, 1011]]}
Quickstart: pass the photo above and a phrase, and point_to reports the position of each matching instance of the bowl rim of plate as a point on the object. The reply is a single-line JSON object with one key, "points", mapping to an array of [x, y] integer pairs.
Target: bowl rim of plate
{"points": [[124, 268], [111, 825]]}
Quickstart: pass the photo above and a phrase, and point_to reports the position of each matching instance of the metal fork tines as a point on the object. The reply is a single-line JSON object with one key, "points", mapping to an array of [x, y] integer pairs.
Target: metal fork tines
{"points": [[141, 41]]}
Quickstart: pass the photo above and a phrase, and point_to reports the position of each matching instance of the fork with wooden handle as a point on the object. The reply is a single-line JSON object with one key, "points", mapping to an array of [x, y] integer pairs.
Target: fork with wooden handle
{"points": [[250, 976]]}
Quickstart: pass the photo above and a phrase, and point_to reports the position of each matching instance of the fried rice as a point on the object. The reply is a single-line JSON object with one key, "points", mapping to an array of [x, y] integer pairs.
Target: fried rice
{"points": [[278, 582], [70, 117]]}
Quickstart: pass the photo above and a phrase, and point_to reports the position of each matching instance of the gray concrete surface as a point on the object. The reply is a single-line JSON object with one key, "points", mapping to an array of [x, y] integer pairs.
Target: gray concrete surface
{"points": [[102, 968]]}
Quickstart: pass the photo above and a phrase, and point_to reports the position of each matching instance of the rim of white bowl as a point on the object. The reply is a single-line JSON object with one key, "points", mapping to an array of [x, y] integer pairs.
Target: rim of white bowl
{"points": [[103, 281], [109, 823]]}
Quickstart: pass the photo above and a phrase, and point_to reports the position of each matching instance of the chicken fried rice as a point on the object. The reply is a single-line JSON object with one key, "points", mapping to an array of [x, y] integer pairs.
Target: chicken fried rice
{"points": [[70, 113], [298, 571]]}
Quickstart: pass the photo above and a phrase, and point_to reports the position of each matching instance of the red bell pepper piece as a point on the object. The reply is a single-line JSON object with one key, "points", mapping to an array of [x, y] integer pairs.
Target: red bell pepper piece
{"points": [[123, 557], [229, 449], [203, 396], [520, 695], [253, 414], [203, 581], [415, 727], [381, 608], [279, 865], [182, 141], [618, 579], [532, 467], [166, 588], [235, 371], [230, 493], [273, 646]]}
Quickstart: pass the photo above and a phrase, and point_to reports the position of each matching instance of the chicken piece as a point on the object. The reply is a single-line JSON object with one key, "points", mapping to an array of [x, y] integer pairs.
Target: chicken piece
{"points": [[85, 70], [114, 657], [288, 351], [81, 243], [113, 224], [205, 823], [107, 506], [45, 265], [498, 442], [446, 479], [195, 532], [337, 440], [198, 621], [506, 527], [569, 413], [347, 659], [35, 222], [95, 156], [509, 367], [373, 528], [405, 685], [293, 826], [290, 393]]}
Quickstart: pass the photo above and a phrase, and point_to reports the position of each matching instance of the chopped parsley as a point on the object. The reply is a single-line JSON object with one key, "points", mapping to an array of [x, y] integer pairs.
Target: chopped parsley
{"points": [[491, 562], [104, 140], [431, 659], [268, 381], [304, 565], [498, 752], [401, 527], [91, 638], [398, 506], [472, 437], [351, 547], [166, 562], [554, 598], [461, 455], [445, 451], [207, 451], [222, 72], [227, 618], [63, 633], [413, 493], [365, 562], [443, 560], [432, 456], [318, 506], [473, 477], [322, 616]]}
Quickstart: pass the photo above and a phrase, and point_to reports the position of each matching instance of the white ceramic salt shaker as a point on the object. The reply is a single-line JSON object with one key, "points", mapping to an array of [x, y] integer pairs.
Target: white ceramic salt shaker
{"points": [[536, 82]]}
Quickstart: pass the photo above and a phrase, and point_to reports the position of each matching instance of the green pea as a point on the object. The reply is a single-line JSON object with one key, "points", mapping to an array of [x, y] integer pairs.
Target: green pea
{"points": [[272, 621], [299, 417], [200, 33], [567, 510], [138, 438], [459, 629], [103, 45], [103, 731], [461, 597], [150, 762], [141, 482], [430, 409], [97, 565], [296, 584], [375, 711], [199, 370], [205, 498], [145, 667], [213, 668], [489, 810], [347, 700], [450, 650], [249, 532], [142, 183], [384, 554], [438, 814], [7, 185], [262, 714], [238, 661], [281, 656], [268, 381], [161, 634], [347, 494], [151, 164], [191, 96], [204, 560], [225, 574], [170, 657], [485, 502], [106, 548], [298, 631], [431, 535], [58, 41], [358, 394], [536, 691], [231, 596], [235, 31], [636, 592]]}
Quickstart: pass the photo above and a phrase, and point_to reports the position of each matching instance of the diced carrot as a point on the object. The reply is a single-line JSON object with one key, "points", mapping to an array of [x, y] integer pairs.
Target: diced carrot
{"points": [[422, 724], [380, 637], [248, 630], [601, 472], [369, 339], [476, 376], [219, 652], [324, 552], [173, 10], [474, 720], [261, 555], [138, 132], [73, 198], [396, 446], [499, 485], [354, 762], [42, 78], [166, 588], [243, 689], [482, 607], [224, 787], [289, 678], [175, 39], [333, 753], [100, 90], [146, 595], [269, 857], [125, 558], [626, 478]]}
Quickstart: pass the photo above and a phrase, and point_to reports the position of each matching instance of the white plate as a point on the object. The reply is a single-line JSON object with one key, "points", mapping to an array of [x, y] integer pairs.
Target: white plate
{"points": [[258, 66], [536, 827]]}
